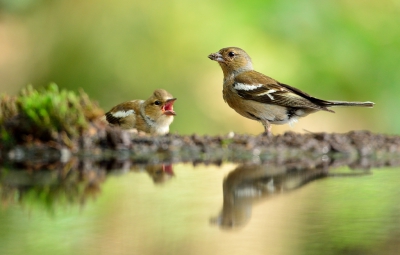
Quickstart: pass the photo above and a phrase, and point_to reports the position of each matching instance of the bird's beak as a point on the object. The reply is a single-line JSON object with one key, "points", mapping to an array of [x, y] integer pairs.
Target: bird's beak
{"points": [[216, 57], [167, 168], [168, 108]]}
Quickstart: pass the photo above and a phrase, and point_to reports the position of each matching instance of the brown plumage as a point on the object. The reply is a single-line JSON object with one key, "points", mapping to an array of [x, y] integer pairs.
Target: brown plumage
{"points": [[153, 115], [259, 97]]}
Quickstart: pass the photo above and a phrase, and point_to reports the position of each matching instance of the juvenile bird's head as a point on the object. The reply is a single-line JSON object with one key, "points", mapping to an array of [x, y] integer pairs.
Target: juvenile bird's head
{"points": [[232, 60], [160, 105]]}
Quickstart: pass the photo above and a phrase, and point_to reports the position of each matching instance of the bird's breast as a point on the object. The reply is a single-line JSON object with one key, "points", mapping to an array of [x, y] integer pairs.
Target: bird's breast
{"points": [[246, 108]]}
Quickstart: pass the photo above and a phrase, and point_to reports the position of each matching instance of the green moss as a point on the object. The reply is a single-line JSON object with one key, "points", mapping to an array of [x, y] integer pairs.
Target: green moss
{"points": [[43, 114]]}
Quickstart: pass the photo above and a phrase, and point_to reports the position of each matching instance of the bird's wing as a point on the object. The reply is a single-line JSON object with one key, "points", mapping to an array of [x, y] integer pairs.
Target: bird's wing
{"points": [[255, 86], [121, 111]]}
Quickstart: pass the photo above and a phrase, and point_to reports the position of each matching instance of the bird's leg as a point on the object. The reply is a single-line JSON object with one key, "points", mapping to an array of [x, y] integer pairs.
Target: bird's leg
{"points": [[267, 127]]}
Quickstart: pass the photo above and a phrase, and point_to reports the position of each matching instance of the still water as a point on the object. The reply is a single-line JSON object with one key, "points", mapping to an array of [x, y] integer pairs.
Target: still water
{"points": [[186, 209]]}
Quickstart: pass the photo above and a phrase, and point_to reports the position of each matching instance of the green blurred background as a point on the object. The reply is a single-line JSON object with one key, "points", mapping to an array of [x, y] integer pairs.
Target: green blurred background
{"points": [[122, 50]]}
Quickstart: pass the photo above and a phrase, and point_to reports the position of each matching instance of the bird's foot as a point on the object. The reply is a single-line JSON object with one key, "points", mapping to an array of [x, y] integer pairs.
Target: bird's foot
{"points": [[267, 128], [267, 134]]}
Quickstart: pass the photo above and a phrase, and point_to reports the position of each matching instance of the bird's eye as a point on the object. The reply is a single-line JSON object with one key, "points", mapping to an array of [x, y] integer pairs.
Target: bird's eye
{"points": [[231, 54], [157, 102]]}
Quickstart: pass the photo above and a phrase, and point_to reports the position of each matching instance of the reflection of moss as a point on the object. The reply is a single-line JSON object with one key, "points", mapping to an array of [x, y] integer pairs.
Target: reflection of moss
{"points": [[65, 185], [225, 142], [44, 113]]}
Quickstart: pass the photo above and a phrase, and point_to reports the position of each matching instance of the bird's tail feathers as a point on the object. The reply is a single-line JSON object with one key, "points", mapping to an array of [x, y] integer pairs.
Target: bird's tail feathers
{"points": [[344, 103]]}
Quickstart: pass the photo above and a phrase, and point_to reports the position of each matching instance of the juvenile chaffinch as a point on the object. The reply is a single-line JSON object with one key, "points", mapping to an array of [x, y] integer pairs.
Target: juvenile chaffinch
{"points": [[151, 116], [160, 173], [259, 97]]}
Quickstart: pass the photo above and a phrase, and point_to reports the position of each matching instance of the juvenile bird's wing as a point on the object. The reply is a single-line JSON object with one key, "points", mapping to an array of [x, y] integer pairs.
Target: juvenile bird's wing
{"points": [[117, 113], [255, 86]]}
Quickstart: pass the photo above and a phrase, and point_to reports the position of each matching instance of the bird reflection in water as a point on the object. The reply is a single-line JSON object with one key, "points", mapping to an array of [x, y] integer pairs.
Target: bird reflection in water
{"points": [[252, 183], [160, 173]]}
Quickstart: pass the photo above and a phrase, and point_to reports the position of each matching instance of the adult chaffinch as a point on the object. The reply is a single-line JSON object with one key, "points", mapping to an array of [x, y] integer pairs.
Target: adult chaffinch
{"points": [[259, 97], [153, 115]]}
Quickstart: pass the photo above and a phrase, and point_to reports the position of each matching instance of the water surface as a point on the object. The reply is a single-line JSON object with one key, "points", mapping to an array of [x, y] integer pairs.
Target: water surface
{"points": [[182, 210]]}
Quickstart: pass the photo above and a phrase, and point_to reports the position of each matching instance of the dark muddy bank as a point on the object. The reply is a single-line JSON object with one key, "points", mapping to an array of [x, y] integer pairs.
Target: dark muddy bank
{"points": [[363, 148]]}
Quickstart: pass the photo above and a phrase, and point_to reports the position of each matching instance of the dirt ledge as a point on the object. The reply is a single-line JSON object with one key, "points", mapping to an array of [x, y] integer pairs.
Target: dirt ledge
{"points": [[364, 147]]}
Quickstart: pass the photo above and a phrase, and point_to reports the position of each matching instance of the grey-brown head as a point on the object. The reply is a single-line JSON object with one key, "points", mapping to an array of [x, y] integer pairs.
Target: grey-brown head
{"points": [[232, 60]]}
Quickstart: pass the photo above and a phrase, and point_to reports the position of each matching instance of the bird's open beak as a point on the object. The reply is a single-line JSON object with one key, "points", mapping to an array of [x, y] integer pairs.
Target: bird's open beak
{"points": [[216, 57], [167, 168], [168, 108]]}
